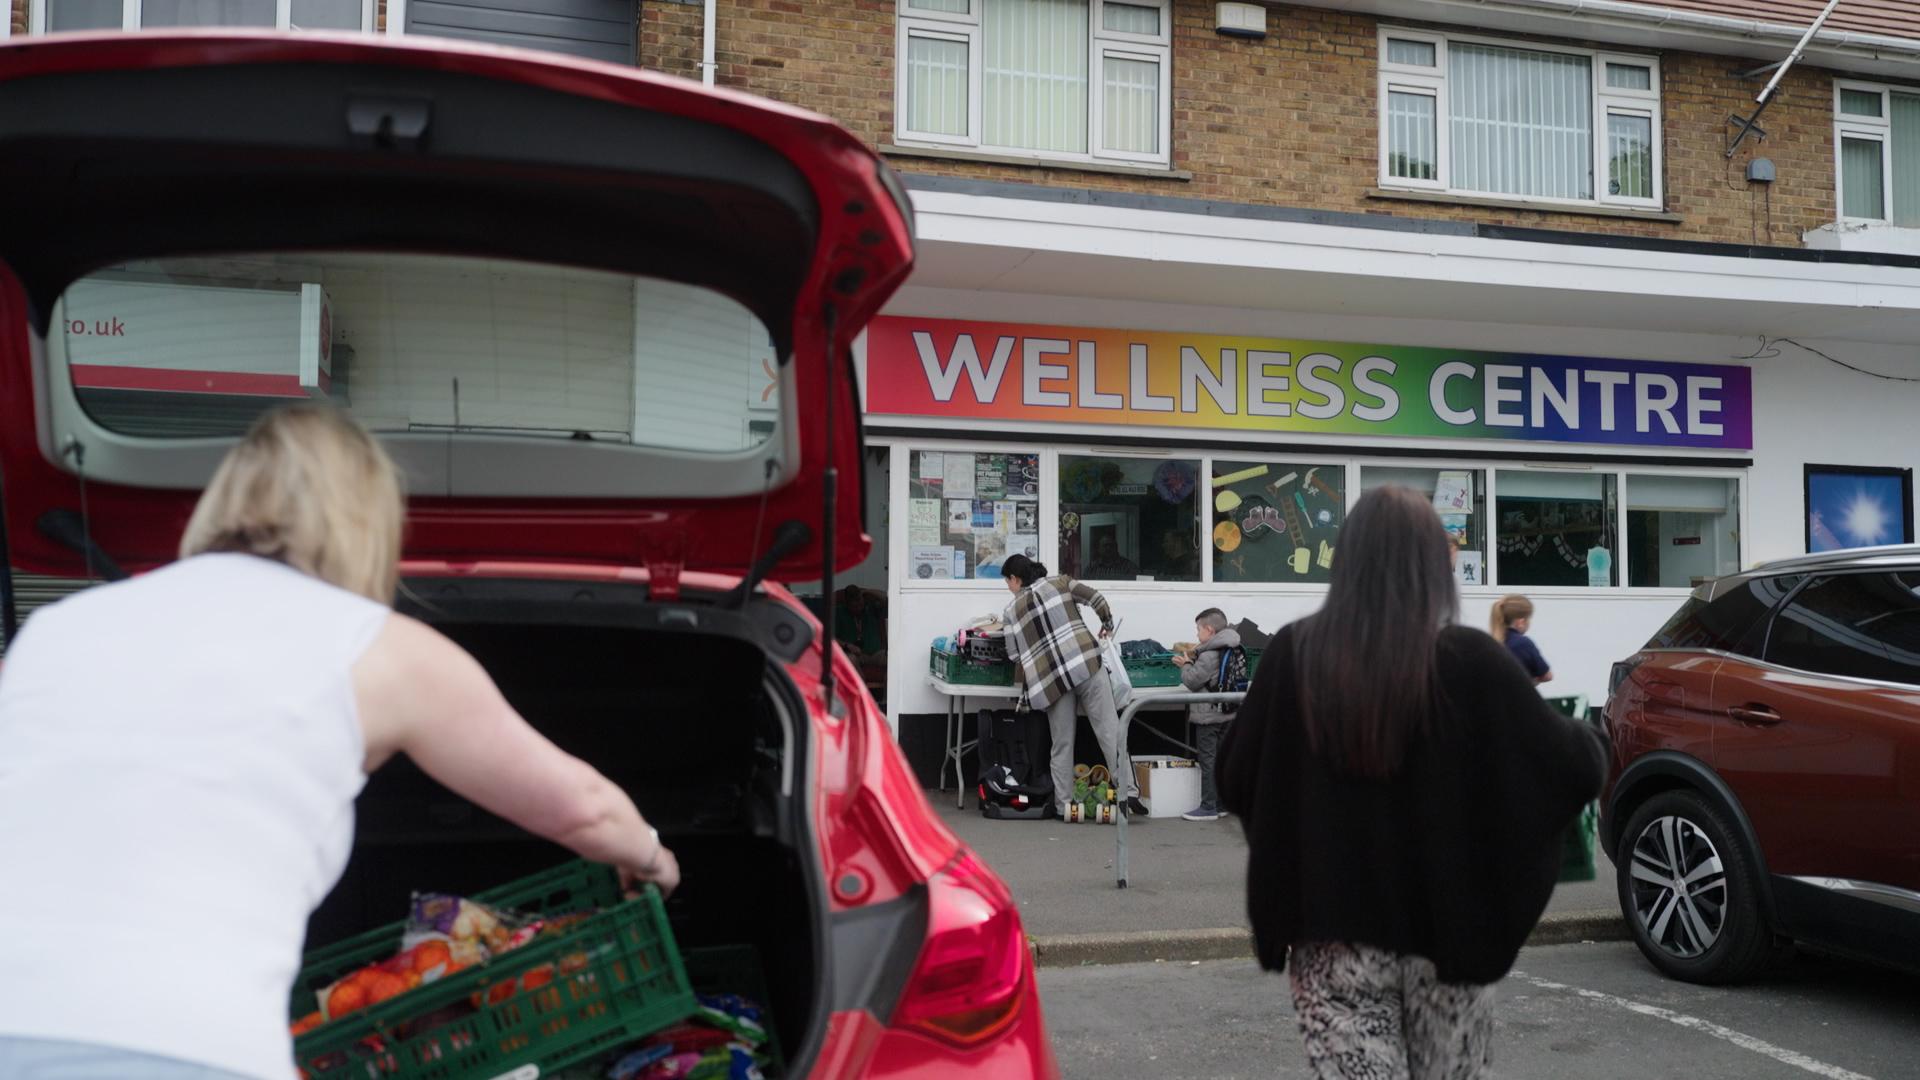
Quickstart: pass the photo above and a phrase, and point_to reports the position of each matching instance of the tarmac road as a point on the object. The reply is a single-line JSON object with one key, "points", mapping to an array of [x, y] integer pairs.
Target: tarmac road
{"points": [[1569, 1012]]}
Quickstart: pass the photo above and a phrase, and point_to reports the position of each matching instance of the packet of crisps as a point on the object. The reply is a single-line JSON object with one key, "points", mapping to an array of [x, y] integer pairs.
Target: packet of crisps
{"points": [[472, 930]]}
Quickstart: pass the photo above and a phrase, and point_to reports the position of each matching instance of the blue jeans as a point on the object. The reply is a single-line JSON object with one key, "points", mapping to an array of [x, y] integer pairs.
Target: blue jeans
{"points": [[45, 1059]]}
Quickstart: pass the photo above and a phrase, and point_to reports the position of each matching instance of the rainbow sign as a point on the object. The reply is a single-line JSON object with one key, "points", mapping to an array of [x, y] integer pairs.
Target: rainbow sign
{"points": [[1048, 374]]}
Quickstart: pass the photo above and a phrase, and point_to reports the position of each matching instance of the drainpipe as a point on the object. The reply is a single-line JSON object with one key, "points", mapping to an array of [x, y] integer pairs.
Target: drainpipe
{"points": [[707, 65]]}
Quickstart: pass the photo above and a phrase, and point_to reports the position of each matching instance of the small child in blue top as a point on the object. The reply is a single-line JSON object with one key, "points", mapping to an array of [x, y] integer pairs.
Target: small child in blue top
{"points": [[1512, 618]]}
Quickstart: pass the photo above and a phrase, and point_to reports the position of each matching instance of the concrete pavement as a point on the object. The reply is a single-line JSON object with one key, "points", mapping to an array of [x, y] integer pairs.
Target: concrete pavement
{"points": [[1570, 1012], [1185, 898]]}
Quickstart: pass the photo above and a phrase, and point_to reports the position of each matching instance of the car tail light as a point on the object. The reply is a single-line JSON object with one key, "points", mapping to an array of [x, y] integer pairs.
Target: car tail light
{"points": [[972, 972]]}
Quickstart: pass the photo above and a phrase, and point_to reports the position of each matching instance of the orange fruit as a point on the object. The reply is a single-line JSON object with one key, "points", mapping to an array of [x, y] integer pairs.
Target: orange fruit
{"points": [[412, 979], [500, 992], [383, 986], [306, 1023], [431, 954], [347, 997], [539, 976]]}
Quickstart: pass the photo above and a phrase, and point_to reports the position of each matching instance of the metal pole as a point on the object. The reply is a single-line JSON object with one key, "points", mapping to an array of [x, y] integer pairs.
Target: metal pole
{"points": [[1749, 123], [1781, 71], [1184, 697]]}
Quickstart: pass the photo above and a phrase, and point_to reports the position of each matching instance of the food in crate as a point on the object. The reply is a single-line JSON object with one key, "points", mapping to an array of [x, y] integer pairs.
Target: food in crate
{"points": [[726, 1039]]}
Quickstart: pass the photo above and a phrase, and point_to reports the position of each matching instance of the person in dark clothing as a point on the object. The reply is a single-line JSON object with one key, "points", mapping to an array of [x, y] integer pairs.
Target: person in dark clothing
{"points": [[1512, 618], [1403, 788]]}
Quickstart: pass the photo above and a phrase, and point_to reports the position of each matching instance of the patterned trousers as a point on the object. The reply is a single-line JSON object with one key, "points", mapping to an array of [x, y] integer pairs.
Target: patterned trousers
{"points": [[1368, 1014]]}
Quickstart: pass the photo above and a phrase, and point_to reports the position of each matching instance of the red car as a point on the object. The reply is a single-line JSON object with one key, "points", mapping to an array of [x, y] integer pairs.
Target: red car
{"points": [[1766, 768], [604, 321]]}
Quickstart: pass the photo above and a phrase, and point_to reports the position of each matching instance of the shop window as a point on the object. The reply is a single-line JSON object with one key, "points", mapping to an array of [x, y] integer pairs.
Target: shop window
{"points": [[1130, 519], [1276, 522], [1561, 125], [968, 510], [1459, 497], [1553, 528], [49, 16], [1681, 530], [1082, 80], [1877, 132]]}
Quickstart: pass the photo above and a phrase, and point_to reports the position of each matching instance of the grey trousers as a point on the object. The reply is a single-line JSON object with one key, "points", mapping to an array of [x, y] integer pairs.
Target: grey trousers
{"points": [[1206, 746], [1095, 698]]}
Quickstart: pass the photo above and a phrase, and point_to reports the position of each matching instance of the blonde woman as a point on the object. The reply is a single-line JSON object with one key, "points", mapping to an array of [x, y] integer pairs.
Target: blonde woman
{"points": [[179, 757], [1512, 618]]}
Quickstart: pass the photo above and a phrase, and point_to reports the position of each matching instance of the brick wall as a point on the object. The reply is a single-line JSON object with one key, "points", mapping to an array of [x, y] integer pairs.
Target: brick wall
{"points": [[1290, 120]]}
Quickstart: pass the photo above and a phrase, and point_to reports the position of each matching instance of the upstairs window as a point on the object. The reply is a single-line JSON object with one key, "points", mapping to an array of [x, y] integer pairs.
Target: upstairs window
{"points": [[1877, 151], [1072, 80], [1474, 117], [53, 16]]}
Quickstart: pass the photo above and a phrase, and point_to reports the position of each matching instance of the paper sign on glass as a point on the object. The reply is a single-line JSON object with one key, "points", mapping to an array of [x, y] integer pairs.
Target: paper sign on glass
{"points": [[959, 479]]}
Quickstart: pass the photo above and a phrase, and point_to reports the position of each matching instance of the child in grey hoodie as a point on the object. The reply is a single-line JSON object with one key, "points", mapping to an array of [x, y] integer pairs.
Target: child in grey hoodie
{"points": [[1220, 664]]}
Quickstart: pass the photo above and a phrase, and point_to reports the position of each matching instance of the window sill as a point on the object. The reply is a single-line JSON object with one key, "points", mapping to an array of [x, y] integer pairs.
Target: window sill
{"points": [[1594, 210], [936, 154]]}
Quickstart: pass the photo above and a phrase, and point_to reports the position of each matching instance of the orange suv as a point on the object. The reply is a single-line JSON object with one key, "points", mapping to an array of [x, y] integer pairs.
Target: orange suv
{"points": [[1765, 786]]}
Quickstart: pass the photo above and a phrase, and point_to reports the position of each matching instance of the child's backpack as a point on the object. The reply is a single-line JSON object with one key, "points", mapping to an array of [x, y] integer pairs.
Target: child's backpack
{"points": [[1234, 677], [1016, 781]]}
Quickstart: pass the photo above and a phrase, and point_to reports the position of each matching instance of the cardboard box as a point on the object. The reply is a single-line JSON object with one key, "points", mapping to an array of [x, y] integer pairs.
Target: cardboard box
{"points": [[1170, 786]]}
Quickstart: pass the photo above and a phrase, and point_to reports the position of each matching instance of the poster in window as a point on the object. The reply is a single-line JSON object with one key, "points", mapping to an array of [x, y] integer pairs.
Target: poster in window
{"points": [[932, 563], [1856, 506], [959, 476], [990, 476], [923, 521], [1453, 492], [1023, 476], [960, 517], [933, 466]]}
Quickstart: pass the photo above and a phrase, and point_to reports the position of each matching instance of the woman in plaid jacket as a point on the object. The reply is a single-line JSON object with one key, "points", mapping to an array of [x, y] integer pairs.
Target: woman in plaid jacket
{"points": [[1056, 663]]}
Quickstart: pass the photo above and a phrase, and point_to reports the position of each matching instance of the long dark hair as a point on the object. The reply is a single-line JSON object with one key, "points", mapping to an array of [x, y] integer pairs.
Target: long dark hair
{"points": [[1366, 664]]}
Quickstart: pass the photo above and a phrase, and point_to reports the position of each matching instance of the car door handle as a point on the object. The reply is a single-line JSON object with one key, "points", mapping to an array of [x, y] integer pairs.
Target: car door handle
{"points": [[1754, 714]]}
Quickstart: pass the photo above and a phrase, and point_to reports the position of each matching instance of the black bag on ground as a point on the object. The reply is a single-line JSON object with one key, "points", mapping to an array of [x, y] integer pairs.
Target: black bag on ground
{"points": [[1015, 780]]}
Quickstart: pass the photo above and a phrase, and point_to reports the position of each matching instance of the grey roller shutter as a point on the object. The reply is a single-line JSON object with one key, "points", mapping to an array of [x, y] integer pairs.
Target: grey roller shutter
{"points": [[597, 29]]}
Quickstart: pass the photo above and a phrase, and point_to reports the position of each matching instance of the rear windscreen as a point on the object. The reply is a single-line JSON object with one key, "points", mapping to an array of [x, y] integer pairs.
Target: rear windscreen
{"points": [[198, 347]]}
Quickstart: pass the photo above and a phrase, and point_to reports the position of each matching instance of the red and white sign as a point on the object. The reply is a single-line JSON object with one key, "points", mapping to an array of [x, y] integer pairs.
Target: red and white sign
{"points": [[128, 334]]}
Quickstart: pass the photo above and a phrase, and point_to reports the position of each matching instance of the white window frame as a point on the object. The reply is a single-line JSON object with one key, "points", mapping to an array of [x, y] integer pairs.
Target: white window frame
{"points": [[943, 30], [900, 487], [1623, 558], [1874, 128], [1101, 45], [1607, 101], [130, 17]]}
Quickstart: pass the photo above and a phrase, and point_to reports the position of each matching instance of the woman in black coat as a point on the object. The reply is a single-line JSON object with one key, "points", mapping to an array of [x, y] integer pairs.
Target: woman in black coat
{"points": [[1404, 789]]}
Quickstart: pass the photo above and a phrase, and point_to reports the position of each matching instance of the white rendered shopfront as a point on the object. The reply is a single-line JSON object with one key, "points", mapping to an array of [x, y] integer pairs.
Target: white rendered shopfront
{"points": [[1724, 503]]}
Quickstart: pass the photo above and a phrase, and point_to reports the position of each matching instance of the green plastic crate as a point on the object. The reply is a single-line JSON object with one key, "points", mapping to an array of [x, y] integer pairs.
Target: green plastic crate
{"points": [[961, 671], [1576, 846], [736, 969], [631, 984], [714, 969], [1152, 671]]}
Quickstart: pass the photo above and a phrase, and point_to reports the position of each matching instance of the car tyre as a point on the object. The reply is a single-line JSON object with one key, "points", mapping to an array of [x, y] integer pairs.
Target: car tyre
{"points": [[1690, 890]]}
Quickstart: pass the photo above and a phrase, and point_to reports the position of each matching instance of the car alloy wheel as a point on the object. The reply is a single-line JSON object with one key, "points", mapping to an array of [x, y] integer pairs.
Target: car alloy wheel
{"points": [[1679, 886]]}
